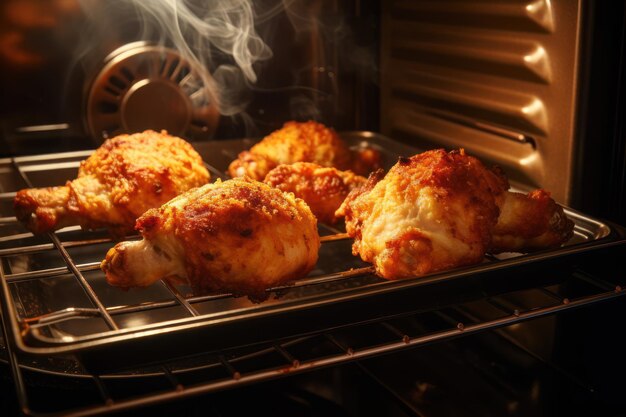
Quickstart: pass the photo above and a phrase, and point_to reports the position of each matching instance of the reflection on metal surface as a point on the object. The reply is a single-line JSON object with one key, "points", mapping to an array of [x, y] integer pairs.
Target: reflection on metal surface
{"points": [[541, 12], [43, 128], [538, 62]]}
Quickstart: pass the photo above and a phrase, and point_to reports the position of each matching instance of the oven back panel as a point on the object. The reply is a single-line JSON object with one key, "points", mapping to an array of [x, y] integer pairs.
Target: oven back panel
{"points": [[90, 70]]}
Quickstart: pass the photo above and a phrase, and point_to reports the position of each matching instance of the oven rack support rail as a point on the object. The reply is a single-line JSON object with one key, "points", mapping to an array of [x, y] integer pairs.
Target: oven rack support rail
{"points": [[398, 340]]}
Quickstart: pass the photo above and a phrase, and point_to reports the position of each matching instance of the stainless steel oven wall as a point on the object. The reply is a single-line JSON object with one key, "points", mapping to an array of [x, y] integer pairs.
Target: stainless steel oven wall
{"points": [[496, 78]]}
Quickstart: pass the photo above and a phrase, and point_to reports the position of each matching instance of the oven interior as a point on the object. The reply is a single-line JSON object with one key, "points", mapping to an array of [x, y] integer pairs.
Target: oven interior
{"points": [[534, 87]]}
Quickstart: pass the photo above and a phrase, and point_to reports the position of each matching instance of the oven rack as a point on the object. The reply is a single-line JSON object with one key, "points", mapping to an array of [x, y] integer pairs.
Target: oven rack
{"points": [[107, 313], [232, 368], [20, 242], [37, 331]]}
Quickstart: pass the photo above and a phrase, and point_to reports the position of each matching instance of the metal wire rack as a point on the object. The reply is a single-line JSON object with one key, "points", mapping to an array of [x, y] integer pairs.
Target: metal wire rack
{"points": [[232, 368], [57, 299], [36, 270], [42, 254]]}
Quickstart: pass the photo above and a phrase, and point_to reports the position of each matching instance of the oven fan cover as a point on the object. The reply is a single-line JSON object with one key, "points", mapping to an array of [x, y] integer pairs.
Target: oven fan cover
{"points": [[143, 86]]}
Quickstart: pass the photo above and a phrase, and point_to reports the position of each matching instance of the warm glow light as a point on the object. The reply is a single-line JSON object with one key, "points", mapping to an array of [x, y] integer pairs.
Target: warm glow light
{"points": [[537, 6], [533, 108], [529, 160], [537, 55], [136, 321]]}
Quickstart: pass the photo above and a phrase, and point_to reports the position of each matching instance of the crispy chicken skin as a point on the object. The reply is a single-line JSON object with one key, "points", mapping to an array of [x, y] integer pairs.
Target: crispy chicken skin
{"points": [[438, 210], [302, 142], [126, 176], [530, 222], [322, 188], [240, 236]]}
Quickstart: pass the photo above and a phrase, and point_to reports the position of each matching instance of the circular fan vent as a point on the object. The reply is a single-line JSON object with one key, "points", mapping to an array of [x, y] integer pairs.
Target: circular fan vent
{"points": [[144, 86]]}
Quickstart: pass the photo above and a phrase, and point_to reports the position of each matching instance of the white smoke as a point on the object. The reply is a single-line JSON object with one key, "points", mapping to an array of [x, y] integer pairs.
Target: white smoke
{"points": [[226, 26], [200, 31], [223, 37]]}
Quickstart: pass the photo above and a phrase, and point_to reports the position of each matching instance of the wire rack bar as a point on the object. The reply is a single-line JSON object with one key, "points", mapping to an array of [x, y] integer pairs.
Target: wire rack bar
{"points": [[181, 300], [18, 378], [172, 379], [102, 390], [93, 297], [235, 374], [287, 356], [393, 329], [48, 246], [334, 237], [49, 273]]}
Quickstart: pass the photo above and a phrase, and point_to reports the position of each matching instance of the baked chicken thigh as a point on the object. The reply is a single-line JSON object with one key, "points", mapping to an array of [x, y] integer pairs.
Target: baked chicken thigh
{"points": [[240, 236], [126, 176], [529, 222], [322, 188], [439, 210], [302, 142]]}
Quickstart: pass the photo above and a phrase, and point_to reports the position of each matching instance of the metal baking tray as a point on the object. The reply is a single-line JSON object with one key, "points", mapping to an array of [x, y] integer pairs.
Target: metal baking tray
{"points": [[56, 300]]}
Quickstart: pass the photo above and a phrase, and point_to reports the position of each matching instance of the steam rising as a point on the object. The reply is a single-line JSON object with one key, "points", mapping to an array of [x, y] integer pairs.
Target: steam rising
{"points": [[200, 31], [223, 37], [223, 25]]}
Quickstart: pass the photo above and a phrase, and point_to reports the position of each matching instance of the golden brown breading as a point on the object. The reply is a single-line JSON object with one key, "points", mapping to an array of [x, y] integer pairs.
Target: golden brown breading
{"points": [[322, 188], [240, 236], [431, 212], [438, 210], [302, 142], [126, 176], [530, 222]]}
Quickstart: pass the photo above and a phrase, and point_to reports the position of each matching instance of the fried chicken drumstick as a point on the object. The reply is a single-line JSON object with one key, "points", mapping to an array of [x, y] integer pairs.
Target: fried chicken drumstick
{"points": [[126, 176], [322, 188], [302, 142], [240, 236], [439, 210]]}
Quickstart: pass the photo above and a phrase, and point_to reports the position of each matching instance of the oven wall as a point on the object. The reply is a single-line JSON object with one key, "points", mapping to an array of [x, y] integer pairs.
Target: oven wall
{"points": [[535, 87], [496, 78]]}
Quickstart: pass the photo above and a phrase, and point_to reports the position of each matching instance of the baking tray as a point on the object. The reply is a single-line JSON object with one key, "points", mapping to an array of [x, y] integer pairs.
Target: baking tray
{"points": [[49, 311]]}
